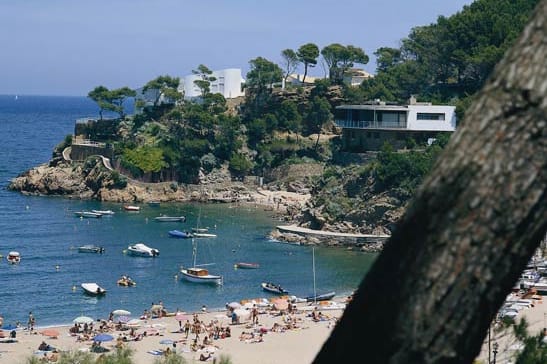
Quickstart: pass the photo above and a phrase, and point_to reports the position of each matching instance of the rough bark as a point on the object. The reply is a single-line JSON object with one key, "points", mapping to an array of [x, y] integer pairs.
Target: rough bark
{"points": [[469, 232]]}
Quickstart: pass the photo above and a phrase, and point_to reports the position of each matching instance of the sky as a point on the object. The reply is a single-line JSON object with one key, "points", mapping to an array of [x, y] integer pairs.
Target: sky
{"points": [[67, 47]]}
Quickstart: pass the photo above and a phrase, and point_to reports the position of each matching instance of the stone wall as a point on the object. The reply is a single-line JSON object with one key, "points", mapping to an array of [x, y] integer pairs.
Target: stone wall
{"points": [[82, 152]]}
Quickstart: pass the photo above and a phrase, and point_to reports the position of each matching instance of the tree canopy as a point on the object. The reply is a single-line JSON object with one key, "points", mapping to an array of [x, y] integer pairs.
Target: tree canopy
{"points": [[341, 58], [307, 54], [165, 87]]}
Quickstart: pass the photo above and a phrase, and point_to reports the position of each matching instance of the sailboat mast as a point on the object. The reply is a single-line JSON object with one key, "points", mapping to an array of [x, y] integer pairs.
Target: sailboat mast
{"points": [[194, 252], [313, 265]]}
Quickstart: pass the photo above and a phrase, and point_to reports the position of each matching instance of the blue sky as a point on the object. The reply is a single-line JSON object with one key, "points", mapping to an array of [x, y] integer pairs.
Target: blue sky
{"points": [[67, 47]]}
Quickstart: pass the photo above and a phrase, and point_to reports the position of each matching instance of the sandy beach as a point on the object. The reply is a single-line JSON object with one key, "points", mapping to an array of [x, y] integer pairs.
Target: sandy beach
{"points": [[296, 337]]}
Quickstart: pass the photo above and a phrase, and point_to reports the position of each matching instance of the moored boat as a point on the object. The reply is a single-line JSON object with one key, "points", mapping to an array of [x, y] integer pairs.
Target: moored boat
{"points": [[200, 275], [93, 289], [197, 274], [90, 248], [243, 265], [13, 257], [200, 230], [321, 297], [154, 203], [142, 250], [170, 218], [204, 235], [103, 212], [131, 208], [273, 288], [87, 214], [180, 234]]}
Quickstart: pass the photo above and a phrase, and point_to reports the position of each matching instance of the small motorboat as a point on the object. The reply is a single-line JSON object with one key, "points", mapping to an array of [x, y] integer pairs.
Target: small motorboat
{"points": [[242, 265], [90, 248], [273, 288], [170, 218], [200, 230], [103, 212], [13, 257], [141, 250], [87, 214], [321, 297], [93, 289], [154, 203], [131, 208], [180, 234], [126, 281]]}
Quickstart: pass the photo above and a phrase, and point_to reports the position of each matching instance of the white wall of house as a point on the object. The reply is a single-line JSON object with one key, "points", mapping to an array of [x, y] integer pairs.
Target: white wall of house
{"points": [[228, 83], [431, 118]]}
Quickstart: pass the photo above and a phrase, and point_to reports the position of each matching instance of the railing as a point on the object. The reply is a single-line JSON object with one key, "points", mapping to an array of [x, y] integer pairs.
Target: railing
{"points": [[351, 124], [88, 142]]}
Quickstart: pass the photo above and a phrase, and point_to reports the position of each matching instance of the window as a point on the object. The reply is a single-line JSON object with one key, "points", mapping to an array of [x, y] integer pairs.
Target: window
{"points": [[430, 116]]}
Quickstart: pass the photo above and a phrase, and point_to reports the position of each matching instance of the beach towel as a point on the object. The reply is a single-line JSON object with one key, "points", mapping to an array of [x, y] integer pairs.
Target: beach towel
{"points": [[155, 352]]}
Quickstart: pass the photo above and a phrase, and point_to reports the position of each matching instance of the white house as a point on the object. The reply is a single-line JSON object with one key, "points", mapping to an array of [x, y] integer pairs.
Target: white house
{"points": [[356, 76], [368, 127], [228, 83]]}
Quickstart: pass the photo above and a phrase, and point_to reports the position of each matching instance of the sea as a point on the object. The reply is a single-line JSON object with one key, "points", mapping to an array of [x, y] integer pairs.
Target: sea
{"points": [[46, 232]]}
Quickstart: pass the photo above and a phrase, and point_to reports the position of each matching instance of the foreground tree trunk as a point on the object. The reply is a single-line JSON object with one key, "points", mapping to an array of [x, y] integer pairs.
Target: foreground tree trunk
{"points": [[469, 232]]}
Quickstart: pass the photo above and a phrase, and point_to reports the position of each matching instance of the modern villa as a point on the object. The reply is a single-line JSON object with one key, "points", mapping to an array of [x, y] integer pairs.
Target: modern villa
{"points": [[367, 127], [228, 83]]}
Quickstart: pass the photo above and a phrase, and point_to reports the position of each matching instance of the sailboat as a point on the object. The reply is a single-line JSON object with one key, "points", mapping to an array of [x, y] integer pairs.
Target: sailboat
{"points": [[196, 273], [318, 297], [201, 232]]}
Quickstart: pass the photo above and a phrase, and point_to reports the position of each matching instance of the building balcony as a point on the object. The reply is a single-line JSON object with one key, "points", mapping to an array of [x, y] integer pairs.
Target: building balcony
{"points": [[354, 124]]}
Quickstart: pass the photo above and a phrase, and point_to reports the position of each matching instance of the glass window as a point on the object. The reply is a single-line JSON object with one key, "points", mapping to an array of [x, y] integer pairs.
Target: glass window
{"points": [[430, 116]]}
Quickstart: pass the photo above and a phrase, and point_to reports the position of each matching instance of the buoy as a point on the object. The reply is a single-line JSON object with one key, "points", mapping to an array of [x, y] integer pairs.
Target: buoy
{"points": [[57, 267], [73, 288], [27, 207], [176, 276], [235, 266], [124, 251]]}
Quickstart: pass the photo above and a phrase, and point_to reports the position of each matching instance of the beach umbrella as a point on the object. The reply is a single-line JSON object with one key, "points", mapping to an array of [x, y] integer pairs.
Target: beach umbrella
{"points": [[234, 305], [167, 342], [121, 313], [241, 313], [82, 320], [50, 333], [124, 319], [280, 304], [103, 337]]}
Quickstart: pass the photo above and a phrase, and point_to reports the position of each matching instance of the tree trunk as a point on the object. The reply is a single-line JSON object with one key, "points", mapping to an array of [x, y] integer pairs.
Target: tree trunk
{"points": [[305, 73], [470, 230]]}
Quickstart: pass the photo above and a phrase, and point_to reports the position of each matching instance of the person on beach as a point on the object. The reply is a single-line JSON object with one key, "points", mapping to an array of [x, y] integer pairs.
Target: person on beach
{"points": [[187, 328], [31, 322]]}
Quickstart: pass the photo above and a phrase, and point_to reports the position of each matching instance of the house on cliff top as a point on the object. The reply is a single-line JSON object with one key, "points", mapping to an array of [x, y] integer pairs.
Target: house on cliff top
{"points": [[367, 127]]}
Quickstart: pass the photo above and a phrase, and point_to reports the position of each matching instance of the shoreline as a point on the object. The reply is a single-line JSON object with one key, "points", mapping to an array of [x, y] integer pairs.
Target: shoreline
{"points": [[248, 343]]}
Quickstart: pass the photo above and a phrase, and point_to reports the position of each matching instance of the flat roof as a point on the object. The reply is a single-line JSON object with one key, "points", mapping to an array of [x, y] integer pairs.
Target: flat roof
{"points": [[374, 107]]}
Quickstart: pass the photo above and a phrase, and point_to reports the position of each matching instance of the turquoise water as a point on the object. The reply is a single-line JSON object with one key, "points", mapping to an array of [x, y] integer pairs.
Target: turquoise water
{"points": [[45, 231]]}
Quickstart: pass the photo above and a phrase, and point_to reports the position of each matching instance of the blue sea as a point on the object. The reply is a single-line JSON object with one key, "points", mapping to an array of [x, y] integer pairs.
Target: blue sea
{"points": [[46, 232]]}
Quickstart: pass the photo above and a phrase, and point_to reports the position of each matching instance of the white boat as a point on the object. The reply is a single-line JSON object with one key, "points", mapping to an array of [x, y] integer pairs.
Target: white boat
{"points": [[201, 232], [204, 235], [13, 257], [87, 214], [141, 250], [170, 218], [131, 208], [197, 274], [93, 289], [103, 212], [90, 248]]}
